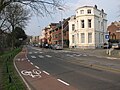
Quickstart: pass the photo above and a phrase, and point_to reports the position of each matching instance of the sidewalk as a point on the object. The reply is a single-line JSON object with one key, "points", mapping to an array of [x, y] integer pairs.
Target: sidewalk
{"points": [[35, 78], [104, 61], [97, 52]]}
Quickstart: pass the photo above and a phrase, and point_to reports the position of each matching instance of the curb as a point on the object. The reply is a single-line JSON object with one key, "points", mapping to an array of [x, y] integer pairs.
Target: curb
{"points": [[20, 73], [99, 67]]}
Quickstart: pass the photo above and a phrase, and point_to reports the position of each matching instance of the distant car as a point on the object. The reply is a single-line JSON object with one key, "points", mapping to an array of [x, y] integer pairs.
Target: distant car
{"points": [[57, 47], [105, 46], [115, 45]]}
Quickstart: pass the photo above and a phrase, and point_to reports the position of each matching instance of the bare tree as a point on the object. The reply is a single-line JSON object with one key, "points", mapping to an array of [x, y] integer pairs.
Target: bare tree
{"points": [[14, 15], [38, 6]]}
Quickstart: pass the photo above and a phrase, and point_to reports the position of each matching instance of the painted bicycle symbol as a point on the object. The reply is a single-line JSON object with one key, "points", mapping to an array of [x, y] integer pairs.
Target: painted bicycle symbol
{"points": [[34, 73]]}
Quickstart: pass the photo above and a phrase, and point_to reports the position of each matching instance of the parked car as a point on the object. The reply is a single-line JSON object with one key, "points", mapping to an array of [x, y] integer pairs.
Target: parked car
{"points": [[105, 45], [57, 47], [116, 45]]}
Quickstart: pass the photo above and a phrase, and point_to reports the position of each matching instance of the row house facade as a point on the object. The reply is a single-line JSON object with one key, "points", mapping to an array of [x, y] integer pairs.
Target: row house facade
{"points": [[114, 31], [54, 31], [34, 39], [87, 28]]}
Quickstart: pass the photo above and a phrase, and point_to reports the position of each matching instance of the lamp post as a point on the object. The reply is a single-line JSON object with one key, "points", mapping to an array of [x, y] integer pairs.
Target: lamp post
{"points": [[61, 9]]}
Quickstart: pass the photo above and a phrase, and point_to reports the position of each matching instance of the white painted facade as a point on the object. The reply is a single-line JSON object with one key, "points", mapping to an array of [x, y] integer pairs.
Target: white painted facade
{"points": [[87, 28]]}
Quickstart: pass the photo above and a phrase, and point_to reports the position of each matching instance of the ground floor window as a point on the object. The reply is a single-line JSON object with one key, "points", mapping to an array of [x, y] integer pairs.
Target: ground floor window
{"points": [[89, 37], [82, 38]]}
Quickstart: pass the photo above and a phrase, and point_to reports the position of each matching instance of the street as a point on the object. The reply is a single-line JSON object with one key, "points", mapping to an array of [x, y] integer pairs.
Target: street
{"points": [[60, 64]]}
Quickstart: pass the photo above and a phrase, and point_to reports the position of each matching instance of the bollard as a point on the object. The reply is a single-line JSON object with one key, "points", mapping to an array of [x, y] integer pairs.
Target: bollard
{"points": [[110, 51], [10, 79], [6, 67]]}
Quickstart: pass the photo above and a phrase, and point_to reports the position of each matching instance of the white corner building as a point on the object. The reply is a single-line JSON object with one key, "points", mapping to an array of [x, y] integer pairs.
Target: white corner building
{"points": [[87, 28]]}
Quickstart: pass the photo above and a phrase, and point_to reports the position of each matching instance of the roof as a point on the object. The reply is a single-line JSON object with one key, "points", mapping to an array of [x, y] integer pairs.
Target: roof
{"points": [[94, 7]]}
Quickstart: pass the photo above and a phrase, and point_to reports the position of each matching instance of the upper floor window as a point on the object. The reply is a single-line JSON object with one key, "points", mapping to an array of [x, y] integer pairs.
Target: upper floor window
{"points": [[73, 27], [81, 11], [89, 11], [73, 37], [82, 24], [89, 23], [77, 24]]}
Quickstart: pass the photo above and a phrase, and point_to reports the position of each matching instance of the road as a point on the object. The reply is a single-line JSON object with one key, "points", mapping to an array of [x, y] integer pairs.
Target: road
{"points": [[68, 67]]}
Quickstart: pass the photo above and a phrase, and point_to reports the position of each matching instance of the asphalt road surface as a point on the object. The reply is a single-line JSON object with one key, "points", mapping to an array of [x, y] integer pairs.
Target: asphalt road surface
{"points": [[64, 65]]}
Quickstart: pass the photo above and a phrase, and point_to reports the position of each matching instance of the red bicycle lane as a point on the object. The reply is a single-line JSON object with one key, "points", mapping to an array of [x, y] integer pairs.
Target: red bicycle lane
{"points": [[36, 78]]}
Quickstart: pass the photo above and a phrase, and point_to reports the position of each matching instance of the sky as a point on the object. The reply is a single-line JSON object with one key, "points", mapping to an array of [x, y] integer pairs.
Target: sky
{"points": [[111, 8]]}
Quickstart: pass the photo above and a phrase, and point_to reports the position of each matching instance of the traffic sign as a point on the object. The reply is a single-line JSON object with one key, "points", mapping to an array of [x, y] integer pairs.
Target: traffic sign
{"points": [[107, 36]]}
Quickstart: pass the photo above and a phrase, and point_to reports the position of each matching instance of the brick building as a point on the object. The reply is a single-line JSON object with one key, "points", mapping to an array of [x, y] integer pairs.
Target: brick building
{"points": [[114, 31]]}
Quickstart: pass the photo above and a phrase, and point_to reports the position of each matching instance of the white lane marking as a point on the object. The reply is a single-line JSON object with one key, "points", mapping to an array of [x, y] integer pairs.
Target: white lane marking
{"points": [[18, 59], [41, 56], [33, 57], [37, 67], [69, 55], [111, 58], [48, 56], [22, 59], [28, 60], [31, 63], [40, 52], [63, 82], [84, 55], [35, 52], [46, 72]]}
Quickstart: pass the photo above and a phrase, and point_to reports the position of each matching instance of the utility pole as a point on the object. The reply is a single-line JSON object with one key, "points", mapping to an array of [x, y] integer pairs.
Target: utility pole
{"points": [[61, 9]]}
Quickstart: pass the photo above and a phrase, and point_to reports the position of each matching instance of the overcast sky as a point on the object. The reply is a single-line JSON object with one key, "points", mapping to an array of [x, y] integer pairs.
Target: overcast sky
{"points": [[111, 8]]}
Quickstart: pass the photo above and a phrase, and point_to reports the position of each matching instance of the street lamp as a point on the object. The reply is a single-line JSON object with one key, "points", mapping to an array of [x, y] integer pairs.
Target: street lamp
{"points": [[61, 9]]}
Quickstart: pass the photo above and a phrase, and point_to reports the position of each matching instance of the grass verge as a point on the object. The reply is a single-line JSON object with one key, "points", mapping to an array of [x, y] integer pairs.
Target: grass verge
{"points": [[10, 79]]}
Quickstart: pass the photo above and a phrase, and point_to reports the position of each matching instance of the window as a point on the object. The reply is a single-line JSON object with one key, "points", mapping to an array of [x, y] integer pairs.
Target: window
{"points": [[82, 38], [89, 23], [78, 37], [73, 38], [64, 33], [89, 11], [89, 37], [73, 27], [81, 11], [82, 24], [77, 24], [56, 36]]}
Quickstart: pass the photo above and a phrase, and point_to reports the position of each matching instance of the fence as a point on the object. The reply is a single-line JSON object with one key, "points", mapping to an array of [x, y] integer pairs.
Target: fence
{"points": [[10, 78]]}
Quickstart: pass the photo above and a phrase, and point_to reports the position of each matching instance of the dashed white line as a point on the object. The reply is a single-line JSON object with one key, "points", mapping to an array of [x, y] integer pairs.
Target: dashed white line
{"points": [[22, 59], [40, 56], [84, 55], [111, 58], [31, 63], [35, 52], [37, 67], [46, 72], [33, 57], [63, 82], [48, 56], [28, 60], [18, 59]]}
